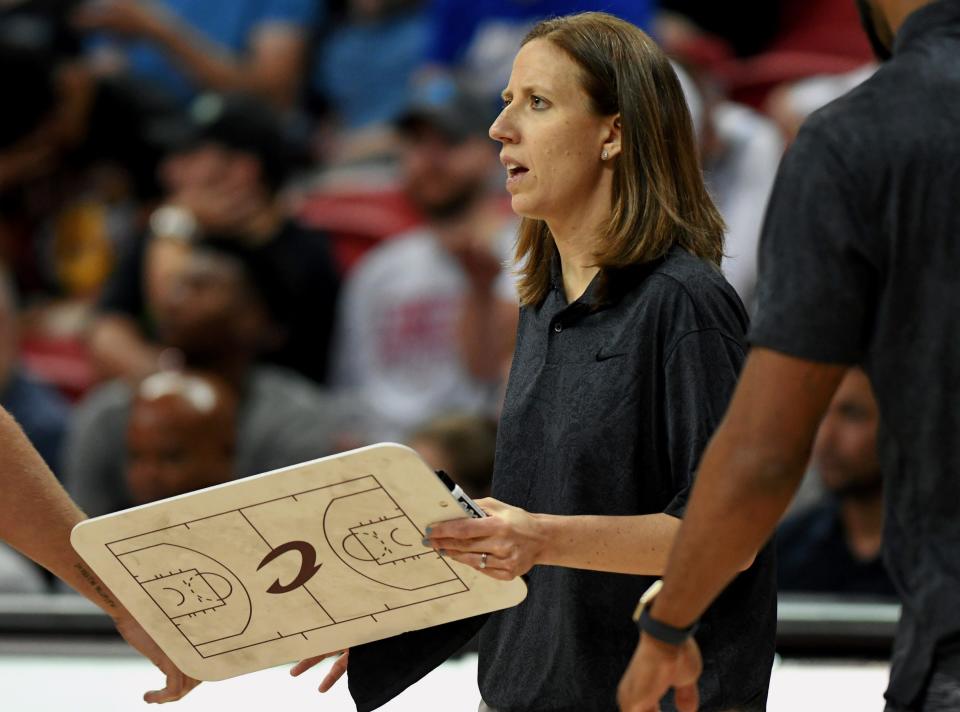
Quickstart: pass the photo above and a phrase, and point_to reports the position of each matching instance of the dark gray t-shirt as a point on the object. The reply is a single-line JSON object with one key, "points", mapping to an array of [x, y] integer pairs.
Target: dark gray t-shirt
{"points": [[608, 410], [860, 263]]}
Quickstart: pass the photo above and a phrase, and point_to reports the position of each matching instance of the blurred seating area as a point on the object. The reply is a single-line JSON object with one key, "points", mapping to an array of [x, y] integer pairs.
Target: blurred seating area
{"points": [[291, 208]]}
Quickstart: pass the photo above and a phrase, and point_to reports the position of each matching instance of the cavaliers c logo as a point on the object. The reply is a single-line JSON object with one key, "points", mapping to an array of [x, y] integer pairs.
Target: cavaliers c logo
{"points": [[308, 567]]}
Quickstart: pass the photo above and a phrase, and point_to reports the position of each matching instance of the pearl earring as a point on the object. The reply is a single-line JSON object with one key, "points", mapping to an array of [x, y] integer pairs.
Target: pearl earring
{"points": [[604, 156]]}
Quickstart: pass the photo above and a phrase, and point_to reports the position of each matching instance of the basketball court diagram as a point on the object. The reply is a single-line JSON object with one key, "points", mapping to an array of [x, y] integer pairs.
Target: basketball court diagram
{"points": [[288, 567], [288, 564]]}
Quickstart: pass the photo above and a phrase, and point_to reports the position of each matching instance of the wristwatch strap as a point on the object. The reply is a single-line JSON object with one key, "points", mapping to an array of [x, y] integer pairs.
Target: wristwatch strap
{"points": [[654, 628], [663, 632]]}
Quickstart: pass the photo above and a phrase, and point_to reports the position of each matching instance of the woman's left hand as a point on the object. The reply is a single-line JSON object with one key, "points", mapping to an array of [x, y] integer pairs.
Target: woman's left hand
{"points": [[511, 538]]}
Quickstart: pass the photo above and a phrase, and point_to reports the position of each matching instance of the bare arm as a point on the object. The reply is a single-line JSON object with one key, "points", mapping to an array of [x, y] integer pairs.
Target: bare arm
{"points": [[627, 545], [272, 67], [36, 517], [515, 541]]}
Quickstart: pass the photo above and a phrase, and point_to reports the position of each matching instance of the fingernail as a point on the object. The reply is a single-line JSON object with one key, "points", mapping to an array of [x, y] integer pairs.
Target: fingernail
{"points": [[429, 529], [426, 542]]}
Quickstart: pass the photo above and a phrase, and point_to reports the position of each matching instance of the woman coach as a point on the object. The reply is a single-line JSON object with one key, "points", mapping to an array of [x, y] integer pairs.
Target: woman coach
{"points": [[629, 346], [628, 349]]}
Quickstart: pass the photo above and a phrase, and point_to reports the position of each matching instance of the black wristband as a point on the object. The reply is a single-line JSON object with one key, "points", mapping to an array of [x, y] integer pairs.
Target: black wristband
{"points": [[663, 632]]}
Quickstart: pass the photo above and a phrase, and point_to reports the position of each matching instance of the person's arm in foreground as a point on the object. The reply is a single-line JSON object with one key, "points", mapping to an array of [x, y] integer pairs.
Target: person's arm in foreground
{"points": [[37, 516], [749, 473]]}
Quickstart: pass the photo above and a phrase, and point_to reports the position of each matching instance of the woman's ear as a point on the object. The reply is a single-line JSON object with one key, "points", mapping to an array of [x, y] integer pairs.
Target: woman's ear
{"points": [[611, 145]]}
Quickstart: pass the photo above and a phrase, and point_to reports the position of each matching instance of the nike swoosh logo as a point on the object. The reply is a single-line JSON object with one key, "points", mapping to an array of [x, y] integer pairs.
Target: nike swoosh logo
{"points": [[603, 356]]}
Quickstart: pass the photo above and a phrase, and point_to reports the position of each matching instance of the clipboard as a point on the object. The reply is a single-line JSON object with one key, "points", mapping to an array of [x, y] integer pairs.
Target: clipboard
{"points": [[290, 564]]}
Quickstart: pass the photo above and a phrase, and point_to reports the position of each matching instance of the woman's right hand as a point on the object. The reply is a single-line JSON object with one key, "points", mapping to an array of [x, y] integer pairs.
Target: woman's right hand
{"points": [[336, 672]]}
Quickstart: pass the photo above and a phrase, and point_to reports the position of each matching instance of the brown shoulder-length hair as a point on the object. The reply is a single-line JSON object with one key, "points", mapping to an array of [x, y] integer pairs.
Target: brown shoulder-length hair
{"points": [[659, 197]]}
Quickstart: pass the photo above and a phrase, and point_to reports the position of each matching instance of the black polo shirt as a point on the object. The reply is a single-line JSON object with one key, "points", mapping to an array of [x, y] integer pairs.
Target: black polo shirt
{"points": [[860, 263], [609, 406]]}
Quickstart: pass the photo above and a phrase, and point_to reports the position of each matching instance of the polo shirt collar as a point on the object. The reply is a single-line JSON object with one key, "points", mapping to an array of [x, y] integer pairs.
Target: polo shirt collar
{"points": [[589, 299], [606, 286]]}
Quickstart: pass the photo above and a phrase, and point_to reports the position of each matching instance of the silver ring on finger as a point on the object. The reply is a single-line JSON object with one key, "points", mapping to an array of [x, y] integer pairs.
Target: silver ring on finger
{"points": [[483, 560]]}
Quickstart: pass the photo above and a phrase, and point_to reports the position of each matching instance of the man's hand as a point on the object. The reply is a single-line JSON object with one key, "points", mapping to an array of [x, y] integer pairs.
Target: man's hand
{"points": [[654, 669], [178, 684], [336, 672]]}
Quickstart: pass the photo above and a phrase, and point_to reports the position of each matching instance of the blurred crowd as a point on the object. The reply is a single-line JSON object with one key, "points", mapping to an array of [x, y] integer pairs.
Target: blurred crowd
{"points": [[240, 234]]}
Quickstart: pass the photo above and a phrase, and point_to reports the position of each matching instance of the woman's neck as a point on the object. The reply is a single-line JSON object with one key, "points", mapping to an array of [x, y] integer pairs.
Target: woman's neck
{"points": [[577, 236], [578, 268]]}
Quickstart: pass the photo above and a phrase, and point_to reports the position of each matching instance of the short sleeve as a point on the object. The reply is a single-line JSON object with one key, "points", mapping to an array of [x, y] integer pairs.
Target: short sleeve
{"points": [[818, 263], [700, 374]]}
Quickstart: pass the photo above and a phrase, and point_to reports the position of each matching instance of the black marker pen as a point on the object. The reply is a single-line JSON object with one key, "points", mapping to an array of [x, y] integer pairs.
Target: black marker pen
{"points": [[469, 506]]}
